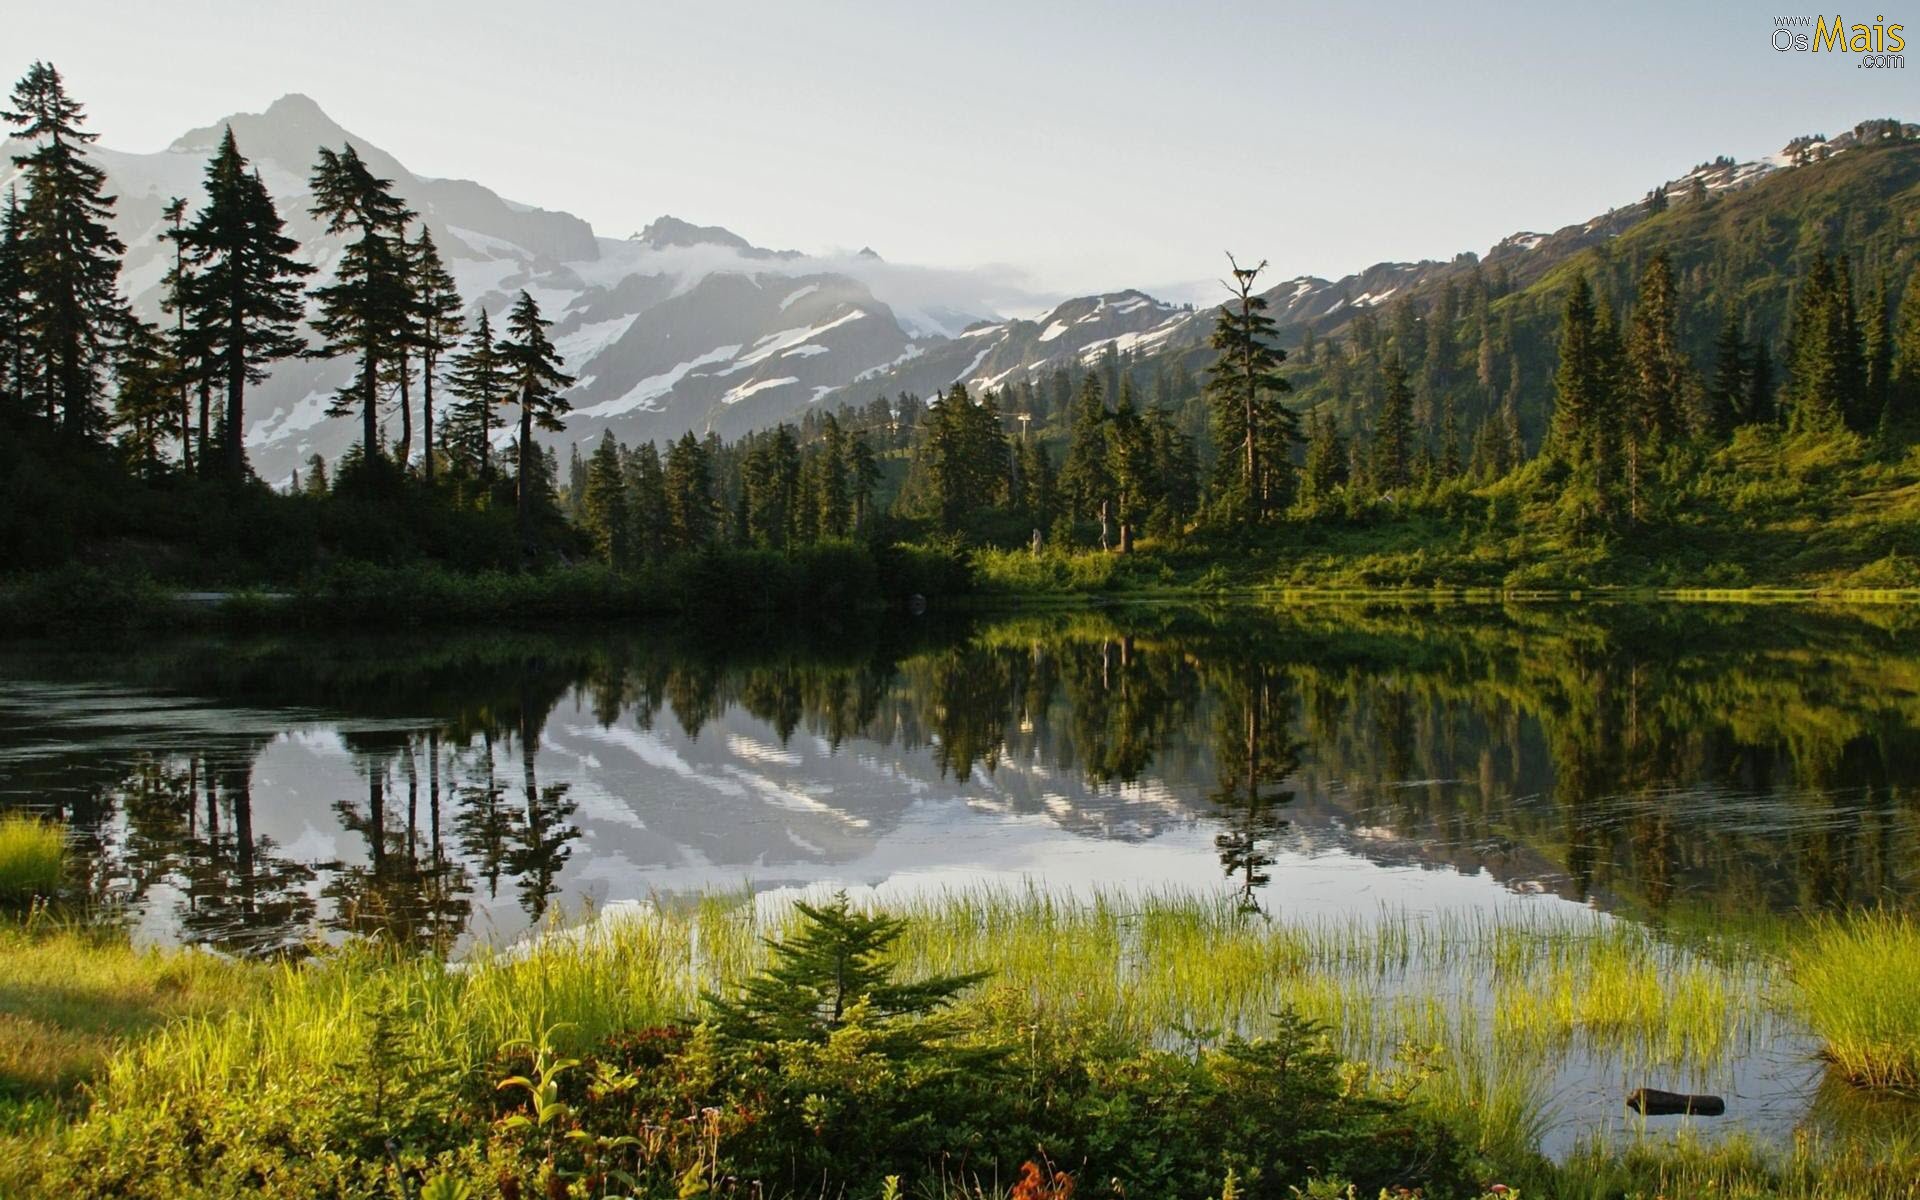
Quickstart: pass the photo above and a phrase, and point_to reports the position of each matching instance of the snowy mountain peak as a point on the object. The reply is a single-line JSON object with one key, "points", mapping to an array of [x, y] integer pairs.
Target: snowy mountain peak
{"points": [[664, 231]]}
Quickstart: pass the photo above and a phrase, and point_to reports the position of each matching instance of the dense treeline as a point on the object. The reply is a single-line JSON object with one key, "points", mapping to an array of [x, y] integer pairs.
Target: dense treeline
{"points": [[126, 438]]}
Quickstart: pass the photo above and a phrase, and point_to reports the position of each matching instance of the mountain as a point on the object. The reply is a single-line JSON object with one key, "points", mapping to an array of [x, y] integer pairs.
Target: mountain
{"points": [[1851, 193], [684, 327], [680, 327]]}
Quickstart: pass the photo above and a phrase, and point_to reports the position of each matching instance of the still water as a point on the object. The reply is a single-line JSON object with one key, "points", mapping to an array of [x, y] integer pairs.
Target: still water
{"points": [[1687, 766], [1676, 763]]}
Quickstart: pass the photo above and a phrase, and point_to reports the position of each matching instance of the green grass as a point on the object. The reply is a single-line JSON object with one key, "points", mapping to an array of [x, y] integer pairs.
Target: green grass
{"points": [[31, 855], [1858, 982], [1472, 1015]]}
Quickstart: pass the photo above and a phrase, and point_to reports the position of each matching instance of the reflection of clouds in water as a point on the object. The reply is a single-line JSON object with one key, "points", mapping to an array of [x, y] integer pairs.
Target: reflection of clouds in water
{"points": [[758, 751], [319, 740], [652, 749], [796, 799]]}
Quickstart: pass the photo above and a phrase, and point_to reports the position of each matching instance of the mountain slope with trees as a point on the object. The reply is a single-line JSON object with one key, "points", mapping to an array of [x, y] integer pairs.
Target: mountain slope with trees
{"points": [[1725, 389]]}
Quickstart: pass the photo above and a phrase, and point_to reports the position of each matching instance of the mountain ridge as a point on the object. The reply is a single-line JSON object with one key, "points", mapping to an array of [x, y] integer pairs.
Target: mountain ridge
{"points": [[682, 326]]}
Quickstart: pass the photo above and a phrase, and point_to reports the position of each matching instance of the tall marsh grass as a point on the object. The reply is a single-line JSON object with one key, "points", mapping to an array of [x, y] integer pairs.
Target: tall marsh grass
{"points": [[1858, 983], [1482, 1011], [31, 855]]}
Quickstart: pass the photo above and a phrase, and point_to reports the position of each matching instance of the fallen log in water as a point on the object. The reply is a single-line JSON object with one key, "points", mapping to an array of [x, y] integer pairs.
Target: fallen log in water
{"points": [[1653, 1102]]}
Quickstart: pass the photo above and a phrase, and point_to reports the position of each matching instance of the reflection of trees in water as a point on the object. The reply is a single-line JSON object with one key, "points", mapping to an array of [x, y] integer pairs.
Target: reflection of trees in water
{"points": [[407, 891], [241, 894], [1255, 752], [541, 838], [1762, 760]]}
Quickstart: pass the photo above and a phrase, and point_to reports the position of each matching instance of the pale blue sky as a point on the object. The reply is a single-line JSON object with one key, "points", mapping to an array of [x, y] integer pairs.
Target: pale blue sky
{"points": [[1094, 145]]}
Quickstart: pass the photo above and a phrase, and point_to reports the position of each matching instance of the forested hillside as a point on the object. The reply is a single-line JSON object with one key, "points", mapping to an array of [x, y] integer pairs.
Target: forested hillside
{"points": [[1721, 385]]}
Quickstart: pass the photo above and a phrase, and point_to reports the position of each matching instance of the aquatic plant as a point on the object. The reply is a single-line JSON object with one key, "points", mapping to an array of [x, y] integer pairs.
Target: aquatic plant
{"points": [[1857, 981], [32, 852]]}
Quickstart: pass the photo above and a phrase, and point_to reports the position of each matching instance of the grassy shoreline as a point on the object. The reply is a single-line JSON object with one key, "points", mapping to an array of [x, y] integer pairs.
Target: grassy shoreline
{"points": [[1463, 1023]]}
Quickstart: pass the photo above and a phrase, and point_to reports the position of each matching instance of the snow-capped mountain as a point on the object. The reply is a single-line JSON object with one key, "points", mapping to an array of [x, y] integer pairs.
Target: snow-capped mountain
{"points": [[678, 327], [688, 327]]}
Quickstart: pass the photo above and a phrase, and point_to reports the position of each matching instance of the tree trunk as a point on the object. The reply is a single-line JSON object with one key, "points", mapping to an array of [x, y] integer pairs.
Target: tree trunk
{"points": [[236, 453], [206, 420], [524, 498], [406, 412], [426, 417], [369, 416]]}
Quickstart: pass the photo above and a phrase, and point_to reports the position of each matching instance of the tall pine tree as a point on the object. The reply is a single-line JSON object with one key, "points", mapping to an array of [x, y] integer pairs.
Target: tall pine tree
{"points": [[436, 329], [537, 377], [69, 256], [1252, 428], [367, 311], [242, 293], [479, 382]]}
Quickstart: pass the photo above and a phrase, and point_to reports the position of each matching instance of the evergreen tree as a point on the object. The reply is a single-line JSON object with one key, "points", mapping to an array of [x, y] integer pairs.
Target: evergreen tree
{"points": [[965, 457], [243, 297], [1823, 362], [187, 355], [143, 403], [480, 384], [1130, 467], [838, 958], [14, 401], [1251, 427], [689, 483], [316, 481], [1041, 493], [603, 504], [1728, 399], [1393, 432], [835, 514], [1175, 476], [1578, 382], [1449, 464], [69, 257], [863, 476], [1657, 377], [1085, 478], [1326, 466], [1877, 342], [367, 311], [770, 486], [436, 330], [536, 375], [1585, 430], [647, 512], [1904, 373], [1762, 406]]}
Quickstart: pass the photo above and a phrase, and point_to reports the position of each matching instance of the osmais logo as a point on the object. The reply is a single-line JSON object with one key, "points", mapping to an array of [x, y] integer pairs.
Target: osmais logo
{"points": [[1878, 45]]}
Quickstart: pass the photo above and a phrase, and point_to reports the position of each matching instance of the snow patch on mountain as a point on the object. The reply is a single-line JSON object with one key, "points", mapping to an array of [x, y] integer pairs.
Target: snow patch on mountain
{"points": [[642, 394], [735, 395]]}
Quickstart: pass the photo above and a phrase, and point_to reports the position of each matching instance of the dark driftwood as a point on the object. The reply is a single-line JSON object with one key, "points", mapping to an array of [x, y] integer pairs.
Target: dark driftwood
{"points": [[1655, 1103]]}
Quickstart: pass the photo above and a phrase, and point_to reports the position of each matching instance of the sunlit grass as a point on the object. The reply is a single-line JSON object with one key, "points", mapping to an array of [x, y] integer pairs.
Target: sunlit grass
{"points": [[1474, 1015], [31, 855], [1858, 983]]}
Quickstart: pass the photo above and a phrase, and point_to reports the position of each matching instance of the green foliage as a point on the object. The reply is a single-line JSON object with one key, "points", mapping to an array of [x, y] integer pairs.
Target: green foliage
{"points": [[838, 958], [32, 853], [1855, 980]]}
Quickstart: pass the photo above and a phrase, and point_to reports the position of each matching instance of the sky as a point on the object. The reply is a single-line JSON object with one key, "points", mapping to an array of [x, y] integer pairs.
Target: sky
{"points": [[1088, 146]]}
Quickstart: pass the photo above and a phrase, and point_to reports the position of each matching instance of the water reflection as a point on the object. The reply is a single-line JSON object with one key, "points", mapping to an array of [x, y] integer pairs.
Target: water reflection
{"points": [[1676, 762]]}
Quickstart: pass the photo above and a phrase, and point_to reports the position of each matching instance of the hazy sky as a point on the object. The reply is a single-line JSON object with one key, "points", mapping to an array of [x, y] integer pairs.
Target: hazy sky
{"points": [[1094, 145]]}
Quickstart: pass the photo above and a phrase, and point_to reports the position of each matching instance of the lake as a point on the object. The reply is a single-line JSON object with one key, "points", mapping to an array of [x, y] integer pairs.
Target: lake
{"points": [[1678, 763], [1696, 767]]}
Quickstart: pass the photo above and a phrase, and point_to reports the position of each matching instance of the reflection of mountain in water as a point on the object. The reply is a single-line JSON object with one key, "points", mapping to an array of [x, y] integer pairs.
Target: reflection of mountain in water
{"points": [[1640, 758]]}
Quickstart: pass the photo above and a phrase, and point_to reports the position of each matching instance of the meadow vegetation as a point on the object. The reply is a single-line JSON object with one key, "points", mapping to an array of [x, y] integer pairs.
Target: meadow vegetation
{"points": [[1152, 1045]]}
